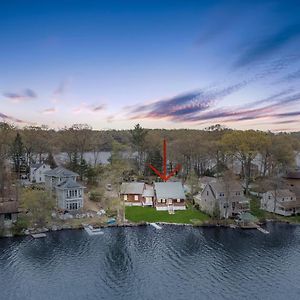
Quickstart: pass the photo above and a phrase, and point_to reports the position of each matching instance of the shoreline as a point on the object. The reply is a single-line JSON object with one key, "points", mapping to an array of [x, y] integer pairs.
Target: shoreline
{"points": [[80, 227]]}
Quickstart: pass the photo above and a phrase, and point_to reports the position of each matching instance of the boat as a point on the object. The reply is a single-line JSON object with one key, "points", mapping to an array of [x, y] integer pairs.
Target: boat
{"points": [[93, 231]]}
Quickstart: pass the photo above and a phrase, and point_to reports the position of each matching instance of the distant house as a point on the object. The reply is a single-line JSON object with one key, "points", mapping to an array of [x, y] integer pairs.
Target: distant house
{"points": [[132, 193], [227, 197], [37, 172], [69, 193], [282, 202], [169, 196]]}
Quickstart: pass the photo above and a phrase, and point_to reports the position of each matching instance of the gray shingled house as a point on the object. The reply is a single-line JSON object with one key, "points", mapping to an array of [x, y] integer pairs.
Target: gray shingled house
{"points": [[227, 197], [69, 193]]}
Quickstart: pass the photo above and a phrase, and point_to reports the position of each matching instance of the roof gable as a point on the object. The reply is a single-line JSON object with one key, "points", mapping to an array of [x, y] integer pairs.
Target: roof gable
{"points": [[135, 188], [169, 190]]}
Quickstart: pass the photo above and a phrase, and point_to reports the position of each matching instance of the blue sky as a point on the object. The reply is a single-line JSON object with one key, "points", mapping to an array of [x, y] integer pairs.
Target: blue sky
{"points": [[164, 64]]}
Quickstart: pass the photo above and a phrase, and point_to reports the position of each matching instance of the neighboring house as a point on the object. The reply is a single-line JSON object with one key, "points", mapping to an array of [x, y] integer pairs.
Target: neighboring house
{"points": [[169, 196], [37, 172], [227, 197], [132, 193], [292, 179], [281, 202], [69, 193], [57, 176], [9, 210]]}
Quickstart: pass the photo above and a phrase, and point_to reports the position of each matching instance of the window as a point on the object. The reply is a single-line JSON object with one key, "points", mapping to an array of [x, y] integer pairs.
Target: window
{"points": [[207, 193], [40, 178], [178, 200], [7, 216], [125, 197], [136, 197], [237, 193], [222, 194], [163, 200]]}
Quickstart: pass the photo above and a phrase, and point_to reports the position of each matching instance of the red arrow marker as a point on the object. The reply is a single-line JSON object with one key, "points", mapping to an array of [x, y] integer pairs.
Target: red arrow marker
{"points": [[164, 176]]}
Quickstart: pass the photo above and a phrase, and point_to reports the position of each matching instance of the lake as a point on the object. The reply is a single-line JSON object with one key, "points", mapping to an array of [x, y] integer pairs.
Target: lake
{"points": [[144, 263]]}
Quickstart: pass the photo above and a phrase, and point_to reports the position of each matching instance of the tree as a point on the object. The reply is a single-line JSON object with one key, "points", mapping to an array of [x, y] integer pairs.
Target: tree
{"points": [[138, 138], [50, 161], [17, 153]]}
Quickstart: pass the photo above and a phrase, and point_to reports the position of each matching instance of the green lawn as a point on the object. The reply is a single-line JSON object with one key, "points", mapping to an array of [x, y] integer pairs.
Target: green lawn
{"points": [[150, 214], [255, 208]]}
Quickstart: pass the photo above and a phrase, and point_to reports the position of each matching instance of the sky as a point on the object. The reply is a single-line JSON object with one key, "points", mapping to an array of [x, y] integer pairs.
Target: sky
{"points": [[163, 64]]}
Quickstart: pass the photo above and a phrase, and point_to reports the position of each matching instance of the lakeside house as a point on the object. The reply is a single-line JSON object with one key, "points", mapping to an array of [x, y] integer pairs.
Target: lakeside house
{"points": [[169, 196], [9, 209], [282, 202], [225, 197], [132, 193], [69, 192], [163, 195], [37, 172]]}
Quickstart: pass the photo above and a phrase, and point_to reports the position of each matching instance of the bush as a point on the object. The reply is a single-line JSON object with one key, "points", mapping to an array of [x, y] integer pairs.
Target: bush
{"points": [[96, 195]]}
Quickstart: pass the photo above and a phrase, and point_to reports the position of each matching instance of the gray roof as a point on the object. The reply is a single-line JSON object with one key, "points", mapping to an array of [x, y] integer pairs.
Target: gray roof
{"points": [[70, 184], [36, 166], [135, 188], [60, 172], [220, 186], [169, 190], [149, 192]]}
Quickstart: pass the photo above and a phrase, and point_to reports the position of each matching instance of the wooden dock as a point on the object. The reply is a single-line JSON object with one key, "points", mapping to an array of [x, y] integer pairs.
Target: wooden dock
{"points": [[155, 226], [38, 235]]}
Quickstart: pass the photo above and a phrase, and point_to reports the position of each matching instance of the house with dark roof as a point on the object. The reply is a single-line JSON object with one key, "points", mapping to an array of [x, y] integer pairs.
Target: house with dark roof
{"points": [[69, 192], [225, 197], [282, 202], [37, 172], [169, 196]]}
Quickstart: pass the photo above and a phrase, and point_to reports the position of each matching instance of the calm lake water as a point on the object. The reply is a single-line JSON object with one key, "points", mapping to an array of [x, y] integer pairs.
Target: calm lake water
{"points": [[144, 263]]}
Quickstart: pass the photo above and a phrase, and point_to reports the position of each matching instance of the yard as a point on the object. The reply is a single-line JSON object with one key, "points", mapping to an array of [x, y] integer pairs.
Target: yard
{"points": [[150, 214]]}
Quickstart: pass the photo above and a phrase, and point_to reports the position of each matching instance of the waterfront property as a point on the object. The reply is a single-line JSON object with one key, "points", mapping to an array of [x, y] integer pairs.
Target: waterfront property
{"points": [[282, 202], [9, 209], [169, 196], [37, 172], [224, 198], [132, 193], [69, 193]]}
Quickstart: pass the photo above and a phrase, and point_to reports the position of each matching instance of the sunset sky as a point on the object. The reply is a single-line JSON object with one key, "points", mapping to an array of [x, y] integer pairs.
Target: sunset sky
{"points": [[163, 64]]}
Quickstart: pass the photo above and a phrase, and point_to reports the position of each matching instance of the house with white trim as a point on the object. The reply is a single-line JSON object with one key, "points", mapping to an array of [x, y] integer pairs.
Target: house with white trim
{"points": [[282, 202], [37, 172]]}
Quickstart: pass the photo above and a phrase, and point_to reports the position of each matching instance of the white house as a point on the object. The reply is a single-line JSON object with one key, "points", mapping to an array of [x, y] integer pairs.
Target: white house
{"points": [[69, 193], [227, 197], [282, 202], [37, 172]]}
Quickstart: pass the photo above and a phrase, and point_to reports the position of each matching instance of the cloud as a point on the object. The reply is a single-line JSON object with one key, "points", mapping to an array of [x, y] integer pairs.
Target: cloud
{"points": [[25, 95], [292, 76], [84, 107], [13, 119], [268, 45], [62, 88], [49, 110], [187, 104]]}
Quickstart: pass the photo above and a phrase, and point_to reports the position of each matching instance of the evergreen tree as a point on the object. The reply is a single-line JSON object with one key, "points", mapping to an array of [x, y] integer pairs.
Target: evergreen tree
{"points": [[155, 159], [50, 161], [18, 154]]}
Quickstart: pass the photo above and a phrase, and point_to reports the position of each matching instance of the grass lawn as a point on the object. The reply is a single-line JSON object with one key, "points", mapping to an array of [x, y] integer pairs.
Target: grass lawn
{"points": [[150, 214], [255, 208]]}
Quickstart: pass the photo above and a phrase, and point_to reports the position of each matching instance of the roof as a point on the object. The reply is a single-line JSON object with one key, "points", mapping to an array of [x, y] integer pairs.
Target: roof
{"points": [[221, 186], [293, 174], [36, 166], [282, 193], [69, 184], [169, 190], [149, 192], [9, 207], [247, 217], [206, 179], [135, 188], [60, 172], [290, 204]]}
